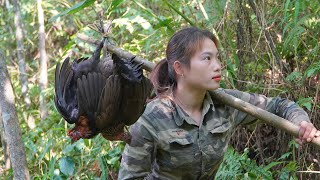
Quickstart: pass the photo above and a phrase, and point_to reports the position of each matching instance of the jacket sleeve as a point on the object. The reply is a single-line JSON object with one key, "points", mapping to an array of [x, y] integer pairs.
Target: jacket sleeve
{"points": [[279, 106], [137, 156]]}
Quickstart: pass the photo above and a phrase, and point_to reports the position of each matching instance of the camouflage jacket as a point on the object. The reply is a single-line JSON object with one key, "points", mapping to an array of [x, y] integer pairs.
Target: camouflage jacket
{"points": [[167, 143]]}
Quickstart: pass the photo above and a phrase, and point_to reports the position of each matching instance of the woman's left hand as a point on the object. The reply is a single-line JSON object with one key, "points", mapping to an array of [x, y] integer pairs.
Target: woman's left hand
{"points": [[307, 132]]}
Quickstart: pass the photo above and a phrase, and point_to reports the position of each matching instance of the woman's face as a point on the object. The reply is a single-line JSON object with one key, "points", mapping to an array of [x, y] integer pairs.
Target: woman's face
{"points": [[205, 68]]}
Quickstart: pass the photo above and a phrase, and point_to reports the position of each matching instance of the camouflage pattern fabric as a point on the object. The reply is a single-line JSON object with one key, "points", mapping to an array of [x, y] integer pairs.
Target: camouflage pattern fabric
{"points": [[168, 144]]}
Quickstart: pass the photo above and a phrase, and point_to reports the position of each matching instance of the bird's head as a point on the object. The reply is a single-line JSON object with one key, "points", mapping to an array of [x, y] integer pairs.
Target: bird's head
{"points": [[81, 130], [74, 134]]}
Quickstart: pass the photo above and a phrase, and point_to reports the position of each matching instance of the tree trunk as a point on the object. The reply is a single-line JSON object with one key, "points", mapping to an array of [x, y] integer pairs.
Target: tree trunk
{"points": [[43, 79], [7, 164], [20, 51], [21, 59], [12, 133], [244, 42], [268, 37]]}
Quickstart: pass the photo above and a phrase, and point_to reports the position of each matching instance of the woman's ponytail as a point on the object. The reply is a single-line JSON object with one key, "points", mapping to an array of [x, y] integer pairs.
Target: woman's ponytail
{"points": [[160, 77]]}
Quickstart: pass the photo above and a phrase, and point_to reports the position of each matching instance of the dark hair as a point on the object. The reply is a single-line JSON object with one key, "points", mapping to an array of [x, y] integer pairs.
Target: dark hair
{"points": [[181, 47]]}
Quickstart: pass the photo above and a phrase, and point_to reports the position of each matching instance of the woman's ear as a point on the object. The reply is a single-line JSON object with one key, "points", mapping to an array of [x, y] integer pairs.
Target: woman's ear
{"points": [[177, 66]]}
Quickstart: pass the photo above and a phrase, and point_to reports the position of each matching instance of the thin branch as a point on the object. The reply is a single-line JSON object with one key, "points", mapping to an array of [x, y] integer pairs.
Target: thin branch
{"points": [[180, 13], [268, 37]]}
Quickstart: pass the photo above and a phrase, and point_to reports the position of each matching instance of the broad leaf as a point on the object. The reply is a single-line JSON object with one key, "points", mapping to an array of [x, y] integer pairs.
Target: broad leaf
{"points": [[76, 8], [66, 165], [269, 166], [306, 102]]}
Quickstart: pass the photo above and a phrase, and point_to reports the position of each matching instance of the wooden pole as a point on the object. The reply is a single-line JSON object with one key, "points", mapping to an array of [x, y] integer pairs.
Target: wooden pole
{"points": [[227, 99]]}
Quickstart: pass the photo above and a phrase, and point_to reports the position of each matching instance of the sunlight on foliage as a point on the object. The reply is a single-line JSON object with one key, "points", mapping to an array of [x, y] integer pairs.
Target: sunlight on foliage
{"points": [[240, 166]]}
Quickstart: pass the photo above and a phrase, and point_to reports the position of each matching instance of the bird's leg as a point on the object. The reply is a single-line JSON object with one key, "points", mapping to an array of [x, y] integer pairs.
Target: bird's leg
{"points": [[126, 127], [126, 136]]}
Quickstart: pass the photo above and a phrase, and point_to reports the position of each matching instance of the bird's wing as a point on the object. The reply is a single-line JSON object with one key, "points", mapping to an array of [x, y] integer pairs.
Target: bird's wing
{"points": [[133, 102], [109, 103], [65, 96], [136, 89], [89, 89]]}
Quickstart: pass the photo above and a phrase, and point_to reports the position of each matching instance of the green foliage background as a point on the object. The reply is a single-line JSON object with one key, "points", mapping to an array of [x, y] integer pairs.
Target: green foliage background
{"points": [[143, 28]]}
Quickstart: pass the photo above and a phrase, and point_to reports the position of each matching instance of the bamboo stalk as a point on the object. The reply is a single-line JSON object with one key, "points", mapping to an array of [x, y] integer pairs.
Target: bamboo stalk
{"points": [[229, 100]]}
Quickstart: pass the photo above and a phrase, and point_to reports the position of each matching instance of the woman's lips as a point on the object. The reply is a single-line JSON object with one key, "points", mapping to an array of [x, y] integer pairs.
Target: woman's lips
{"points": [[217, 78]]}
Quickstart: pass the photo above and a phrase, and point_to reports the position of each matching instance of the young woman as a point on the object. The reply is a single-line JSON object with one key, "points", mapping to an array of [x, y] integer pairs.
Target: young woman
{"points": [[184, 133]]}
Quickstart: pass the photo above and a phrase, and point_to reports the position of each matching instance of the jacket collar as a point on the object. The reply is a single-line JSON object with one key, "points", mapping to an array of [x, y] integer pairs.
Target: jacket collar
{"points": [[180, 115]]}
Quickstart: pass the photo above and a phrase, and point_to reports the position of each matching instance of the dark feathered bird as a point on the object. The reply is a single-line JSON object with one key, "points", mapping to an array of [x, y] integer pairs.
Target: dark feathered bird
{"points": [[100, 96]]}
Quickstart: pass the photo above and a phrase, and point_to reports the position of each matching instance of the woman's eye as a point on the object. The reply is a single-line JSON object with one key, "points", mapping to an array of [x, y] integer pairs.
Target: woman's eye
{"points": [[207, 58]]}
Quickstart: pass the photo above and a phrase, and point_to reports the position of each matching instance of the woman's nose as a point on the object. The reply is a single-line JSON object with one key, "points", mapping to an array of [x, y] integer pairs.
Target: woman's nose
{"points": [[216, 65]]}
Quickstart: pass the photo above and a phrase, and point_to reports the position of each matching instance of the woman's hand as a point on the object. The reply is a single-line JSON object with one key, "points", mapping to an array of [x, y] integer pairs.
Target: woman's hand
{"points": [[307, 132]]}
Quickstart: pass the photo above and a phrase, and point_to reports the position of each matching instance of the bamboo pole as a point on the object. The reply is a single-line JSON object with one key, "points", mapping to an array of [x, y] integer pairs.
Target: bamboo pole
{"points": [[229, 100]]}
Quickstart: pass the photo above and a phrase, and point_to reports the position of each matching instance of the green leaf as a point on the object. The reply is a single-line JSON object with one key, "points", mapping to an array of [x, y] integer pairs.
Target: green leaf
{"points": [[271, 165], [163, 23], [296, 11], [286, 7], [76, 8], [113, 6], [294, 76], [46, 150], [149, 11], [285, 155], [56, 177], [180, 13], [310, 72], [51, 166], [87, 142], [313, 69], [115, 152], [80, 145], [293, 143], [103, 167], [113, 160], [308, 106], [66, 165], [68, 149], [116, 3], [305, 102], [252, 175], [292, 166], [68, 46]]}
